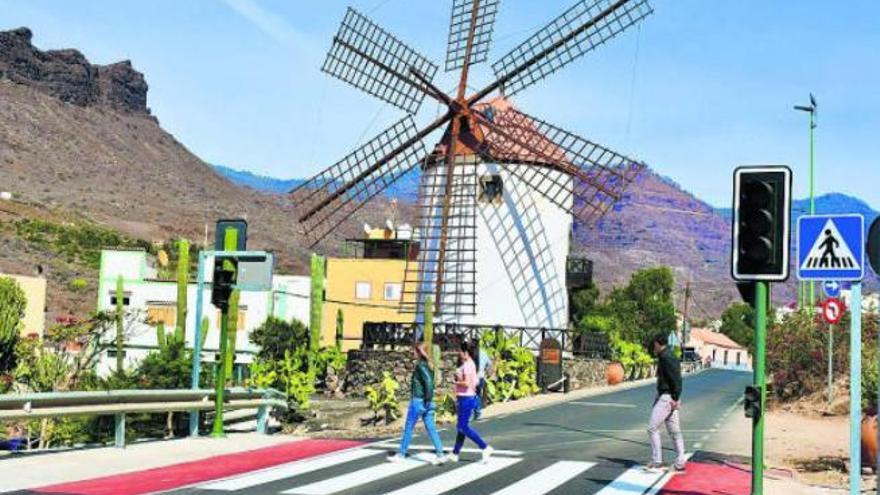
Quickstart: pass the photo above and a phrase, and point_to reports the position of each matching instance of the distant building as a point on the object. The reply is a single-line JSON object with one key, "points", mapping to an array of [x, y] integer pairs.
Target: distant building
{"points": [[717, 350], [34, 289], [367, 286], [149, 301]]}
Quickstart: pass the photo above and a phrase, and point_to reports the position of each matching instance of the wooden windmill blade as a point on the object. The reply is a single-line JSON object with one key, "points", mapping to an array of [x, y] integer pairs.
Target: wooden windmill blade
{"points": [[578, 30], [445, 268], [482, 13], [599, 175], [334, 194], [372, 60]]}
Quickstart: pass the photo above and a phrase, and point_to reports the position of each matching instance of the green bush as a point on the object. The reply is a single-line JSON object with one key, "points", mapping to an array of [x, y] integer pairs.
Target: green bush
{"points": [[383, 397], [12, 306], [78, 284], [515, 372], [75, 242]]}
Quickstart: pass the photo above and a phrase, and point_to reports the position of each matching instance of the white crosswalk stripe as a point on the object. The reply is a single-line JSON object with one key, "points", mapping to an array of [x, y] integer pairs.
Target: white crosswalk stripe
{"points": [[634, 480], [361, 477], [547, 479], [451, 480], [288, 470]]}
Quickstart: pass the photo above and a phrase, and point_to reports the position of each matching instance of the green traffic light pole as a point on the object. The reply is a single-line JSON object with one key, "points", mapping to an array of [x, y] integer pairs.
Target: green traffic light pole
{"points": [[760, 381]]}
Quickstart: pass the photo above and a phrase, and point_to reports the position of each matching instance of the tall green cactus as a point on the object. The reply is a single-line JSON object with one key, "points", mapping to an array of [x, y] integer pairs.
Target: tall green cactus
{"points": [[120, 326], [206, 325], [182, 281], [428, 334], [161, 338], [339, 329], [232, 327], [316, 302]]}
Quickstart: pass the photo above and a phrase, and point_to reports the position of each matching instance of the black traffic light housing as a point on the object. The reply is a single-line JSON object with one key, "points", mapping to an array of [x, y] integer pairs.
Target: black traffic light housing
{"points": [[761, 223], [225, 270], [752, 404]]}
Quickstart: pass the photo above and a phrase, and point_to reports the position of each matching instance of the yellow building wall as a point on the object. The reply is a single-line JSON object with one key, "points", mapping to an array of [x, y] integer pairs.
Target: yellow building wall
{"points": [[35, 311], [341, 278]]}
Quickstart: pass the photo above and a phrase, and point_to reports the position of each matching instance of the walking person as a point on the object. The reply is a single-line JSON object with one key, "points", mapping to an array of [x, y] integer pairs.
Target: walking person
{"points": [[667, 406], [483, 364], [421, 405], [466, 393]]}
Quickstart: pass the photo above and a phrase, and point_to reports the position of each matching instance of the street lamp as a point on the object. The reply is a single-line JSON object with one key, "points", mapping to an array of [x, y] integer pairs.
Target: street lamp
{"points": [[810, 297]]}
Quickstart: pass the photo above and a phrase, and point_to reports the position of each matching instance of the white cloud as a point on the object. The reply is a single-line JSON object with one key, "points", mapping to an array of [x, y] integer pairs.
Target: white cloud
{"points": [[268, 22]]}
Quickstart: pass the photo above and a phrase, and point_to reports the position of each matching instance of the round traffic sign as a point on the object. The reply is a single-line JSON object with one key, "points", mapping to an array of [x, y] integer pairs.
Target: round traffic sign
{"points": [[832, 310], [831, 288], [874, 245]]}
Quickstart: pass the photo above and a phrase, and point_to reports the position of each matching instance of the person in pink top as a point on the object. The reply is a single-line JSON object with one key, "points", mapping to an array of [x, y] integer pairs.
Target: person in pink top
{"points": [[466, 392]]}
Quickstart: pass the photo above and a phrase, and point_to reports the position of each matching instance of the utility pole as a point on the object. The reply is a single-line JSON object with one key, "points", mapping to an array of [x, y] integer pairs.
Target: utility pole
{"points": [[685, 324], [809, 294], [760, 381]]}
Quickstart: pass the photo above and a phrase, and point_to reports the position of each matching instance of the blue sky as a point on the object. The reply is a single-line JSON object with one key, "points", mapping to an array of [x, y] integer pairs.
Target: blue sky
{"points": [[700, 87]]}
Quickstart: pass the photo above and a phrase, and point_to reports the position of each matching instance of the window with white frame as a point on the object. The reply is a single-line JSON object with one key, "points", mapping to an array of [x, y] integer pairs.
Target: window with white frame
{"points": [[362, 290], [392, 291]]}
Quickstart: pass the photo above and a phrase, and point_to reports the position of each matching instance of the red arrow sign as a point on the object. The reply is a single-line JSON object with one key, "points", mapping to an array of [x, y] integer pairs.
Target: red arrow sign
{"points": [[832, 310]]}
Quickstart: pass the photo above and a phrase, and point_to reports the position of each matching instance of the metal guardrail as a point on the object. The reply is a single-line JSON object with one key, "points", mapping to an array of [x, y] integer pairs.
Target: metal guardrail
{"points": [[122, 402]]}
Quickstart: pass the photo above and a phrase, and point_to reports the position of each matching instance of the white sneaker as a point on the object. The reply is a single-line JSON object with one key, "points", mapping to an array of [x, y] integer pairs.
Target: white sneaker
{"points": [[396, 458], [452, 458], [487, 453], [438, 460]]}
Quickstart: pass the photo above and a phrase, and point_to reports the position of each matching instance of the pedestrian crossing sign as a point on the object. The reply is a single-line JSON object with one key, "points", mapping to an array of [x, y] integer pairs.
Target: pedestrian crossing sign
{"points": [[831, 247]]}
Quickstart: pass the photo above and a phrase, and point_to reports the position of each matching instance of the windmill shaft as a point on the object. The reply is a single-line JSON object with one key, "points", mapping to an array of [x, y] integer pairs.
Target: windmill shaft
{"points": [[462, 83], [382, 161], [543, 53], [433, 91]]}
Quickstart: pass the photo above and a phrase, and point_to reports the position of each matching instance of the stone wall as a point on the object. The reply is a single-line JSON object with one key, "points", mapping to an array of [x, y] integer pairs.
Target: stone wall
{"points": [[586, 373], [365, 367]]}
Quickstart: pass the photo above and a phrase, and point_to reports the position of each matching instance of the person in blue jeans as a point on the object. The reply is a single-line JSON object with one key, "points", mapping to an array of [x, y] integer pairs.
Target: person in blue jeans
{"points": [[483, 364], [421, 405], [466, 392]]}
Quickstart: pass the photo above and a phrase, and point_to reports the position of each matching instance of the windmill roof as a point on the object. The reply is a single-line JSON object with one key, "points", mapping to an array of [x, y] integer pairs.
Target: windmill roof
{"points": [[532, 145]]}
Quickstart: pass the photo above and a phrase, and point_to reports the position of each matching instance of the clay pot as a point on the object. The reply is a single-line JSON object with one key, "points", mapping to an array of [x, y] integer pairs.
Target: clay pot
{"points": [[614, 373], [869, 440]]}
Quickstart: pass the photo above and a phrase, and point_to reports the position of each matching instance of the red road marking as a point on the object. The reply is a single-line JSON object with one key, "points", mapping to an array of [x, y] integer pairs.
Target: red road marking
{"points": [[709, 479], [180, 475]]}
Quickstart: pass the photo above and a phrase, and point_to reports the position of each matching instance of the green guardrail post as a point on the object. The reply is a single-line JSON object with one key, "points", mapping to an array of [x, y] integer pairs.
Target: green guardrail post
{"points": [[120, 430], [263, 419]]}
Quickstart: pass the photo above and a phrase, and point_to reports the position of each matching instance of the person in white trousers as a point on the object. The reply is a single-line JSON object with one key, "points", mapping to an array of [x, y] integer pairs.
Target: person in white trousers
{"points": [[667, 406]]}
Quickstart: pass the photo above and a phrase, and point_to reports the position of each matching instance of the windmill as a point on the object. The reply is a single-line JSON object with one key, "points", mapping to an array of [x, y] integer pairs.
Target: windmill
{"points": [[490, 157]]}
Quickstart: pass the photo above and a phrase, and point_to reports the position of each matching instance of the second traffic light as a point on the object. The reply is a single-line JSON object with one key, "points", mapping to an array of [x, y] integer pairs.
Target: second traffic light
{"points": [[761, 223], [225, 270], [752, 403]]}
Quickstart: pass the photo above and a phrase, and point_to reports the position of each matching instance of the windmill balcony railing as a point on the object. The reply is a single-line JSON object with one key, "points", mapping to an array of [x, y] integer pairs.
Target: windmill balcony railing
{"points": [[449, 336]]}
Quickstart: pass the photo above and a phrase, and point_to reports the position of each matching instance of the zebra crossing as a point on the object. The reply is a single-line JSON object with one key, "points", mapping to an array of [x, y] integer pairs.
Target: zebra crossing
{"points": [[365, 470]]}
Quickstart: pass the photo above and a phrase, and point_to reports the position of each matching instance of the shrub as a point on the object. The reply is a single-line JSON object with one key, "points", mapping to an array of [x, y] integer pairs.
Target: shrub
{"points": [[78, 284], [515, 373], [383, 397], [12, 306]]}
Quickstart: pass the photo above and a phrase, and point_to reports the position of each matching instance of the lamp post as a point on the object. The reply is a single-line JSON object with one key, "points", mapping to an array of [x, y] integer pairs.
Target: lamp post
{"points": [[808, 298]]}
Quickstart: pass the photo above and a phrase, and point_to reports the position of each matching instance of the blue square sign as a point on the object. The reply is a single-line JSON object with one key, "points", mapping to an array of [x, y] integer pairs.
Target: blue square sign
{"points": [[831, 247]]}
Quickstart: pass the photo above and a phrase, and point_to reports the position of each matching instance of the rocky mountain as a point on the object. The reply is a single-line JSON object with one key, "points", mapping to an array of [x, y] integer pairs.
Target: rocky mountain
{"points": [[78, 142]]}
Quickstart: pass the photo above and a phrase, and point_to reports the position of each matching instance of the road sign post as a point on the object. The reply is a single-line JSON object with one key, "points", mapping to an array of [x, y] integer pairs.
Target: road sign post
{"points": [[873, 248], [832, 248]]}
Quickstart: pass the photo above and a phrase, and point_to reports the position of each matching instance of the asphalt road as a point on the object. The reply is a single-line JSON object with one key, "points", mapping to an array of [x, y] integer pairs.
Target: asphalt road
{"points": [[589, 446]]}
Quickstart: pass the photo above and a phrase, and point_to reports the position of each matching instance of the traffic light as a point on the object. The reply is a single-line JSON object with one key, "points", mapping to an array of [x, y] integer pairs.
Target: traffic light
{"points": [[224, 279], [761, 223], [752, 402]]}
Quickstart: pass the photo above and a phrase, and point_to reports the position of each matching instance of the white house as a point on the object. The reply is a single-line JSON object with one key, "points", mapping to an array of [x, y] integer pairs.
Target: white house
{"points": [[149, 300], [717, 350]]}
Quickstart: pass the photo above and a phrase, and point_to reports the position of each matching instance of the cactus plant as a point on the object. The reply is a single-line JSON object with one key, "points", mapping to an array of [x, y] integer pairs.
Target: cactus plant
{"points": [[316, 307], [12, 306], [203, 337], [339, 329], [161, 339], [232, 331], [120, 327], [428, 334], [182, 281]]}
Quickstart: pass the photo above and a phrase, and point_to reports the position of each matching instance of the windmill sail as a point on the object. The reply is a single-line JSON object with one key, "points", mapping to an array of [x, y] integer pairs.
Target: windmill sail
{"points": [[369, 58], [459, 30]]}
